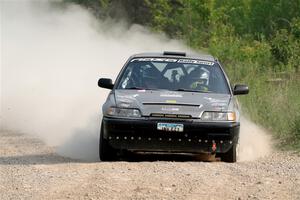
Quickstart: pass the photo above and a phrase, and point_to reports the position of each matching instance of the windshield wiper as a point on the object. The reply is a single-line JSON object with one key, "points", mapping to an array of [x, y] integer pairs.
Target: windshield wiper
{"points": [[135, 88], [140, 88], [190, 90]]}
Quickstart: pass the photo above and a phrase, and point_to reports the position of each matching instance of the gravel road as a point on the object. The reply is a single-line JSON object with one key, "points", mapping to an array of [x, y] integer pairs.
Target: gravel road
{"points": [[31, 170]]}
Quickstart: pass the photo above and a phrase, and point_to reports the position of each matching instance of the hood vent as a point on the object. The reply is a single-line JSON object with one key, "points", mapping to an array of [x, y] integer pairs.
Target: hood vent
{"points": [[174, 53], [162, 115]]}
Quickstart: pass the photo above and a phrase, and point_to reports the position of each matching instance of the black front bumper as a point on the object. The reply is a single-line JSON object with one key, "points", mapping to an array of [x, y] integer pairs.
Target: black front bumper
{"points": [[197, 137]]}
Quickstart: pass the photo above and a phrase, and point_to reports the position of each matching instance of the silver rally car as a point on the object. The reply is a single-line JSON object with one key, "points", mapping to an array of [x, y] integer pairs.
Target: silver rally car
{"points": [[171, 102]]}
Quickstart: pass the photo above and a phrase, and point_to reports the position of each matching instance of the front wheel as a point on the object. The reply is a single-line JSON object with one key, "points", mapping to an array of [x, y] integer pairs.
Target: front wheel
{"points": [[231, 155], [106, 152]]}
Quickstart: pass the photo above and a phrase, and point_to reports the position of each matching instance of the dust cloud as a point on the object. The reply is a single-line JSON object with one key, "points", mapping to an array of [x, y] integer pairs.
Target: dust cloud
{"points": [[254, 141], [51, 59]]}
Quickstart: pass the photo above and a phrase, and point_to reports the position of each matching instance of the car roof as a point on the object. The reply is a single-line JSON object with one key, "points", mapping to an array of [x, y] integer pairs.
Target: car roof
{"points": [[165, 54]]}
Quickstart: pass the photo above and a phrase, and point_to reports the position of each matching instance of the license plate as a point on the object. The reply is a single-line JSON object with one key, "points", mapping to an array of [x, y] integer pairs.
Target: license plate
{"points": [[170, 127]]}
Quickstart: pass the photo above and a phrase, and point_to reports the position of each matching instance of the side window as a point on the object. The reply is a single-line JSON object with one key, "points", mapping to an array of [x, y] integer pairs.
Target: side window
{"points": [[218, 83], [126, 78]]}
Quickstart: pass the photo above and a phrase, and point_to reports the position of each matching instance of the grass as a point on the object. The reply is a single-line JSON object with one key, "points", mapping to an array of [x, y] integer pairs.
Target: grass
{"points": [[273, 102]]}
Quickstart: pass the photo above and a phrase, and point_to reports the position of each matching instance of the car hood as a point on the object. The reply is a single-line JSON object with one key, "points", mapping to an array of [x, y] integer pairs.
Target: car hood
{"points": [[172, 102]]}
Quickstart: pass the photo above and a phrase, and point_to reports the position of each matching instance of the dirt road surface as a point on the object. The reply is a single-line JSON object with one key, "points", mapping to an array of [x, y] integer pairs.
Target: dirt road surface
{"points": [[31, 170]]}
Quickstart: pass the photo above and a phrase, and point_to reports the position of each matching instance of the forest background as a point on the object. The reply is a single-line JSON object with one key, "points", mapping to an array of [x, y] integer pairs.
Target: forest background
{"points": [[258, 42]]}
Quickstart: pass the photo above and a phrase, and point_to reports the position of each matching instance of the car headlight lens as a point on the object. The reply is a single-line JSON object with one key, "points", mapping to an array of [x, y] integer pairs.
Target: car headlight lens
{"points": [[218, 116], [123, 112]]}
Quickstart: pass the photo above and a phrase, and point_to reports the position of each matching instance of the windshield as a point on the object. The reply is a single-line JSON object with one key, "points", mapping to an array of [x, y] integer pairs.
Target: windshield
{"points": [[173, 74]]}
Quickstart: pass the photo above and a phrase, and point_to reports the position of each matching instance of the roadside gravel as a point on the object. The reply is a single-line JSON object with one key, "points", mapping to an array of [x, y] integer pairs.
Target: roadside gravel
{"points": [[31, 170]]}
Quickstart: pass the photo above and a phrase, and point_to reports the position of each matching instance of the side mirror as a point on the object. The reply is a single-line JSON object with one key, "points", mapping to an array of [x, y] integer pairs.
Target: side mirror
{"points": [[105, 83], [240, 89]]}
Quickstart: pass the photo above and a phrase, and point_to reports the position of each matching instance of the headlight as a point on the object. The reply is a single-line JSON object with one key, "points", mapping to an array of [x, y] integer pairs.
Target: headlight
{"points": [[218, 116], [123, 112]]}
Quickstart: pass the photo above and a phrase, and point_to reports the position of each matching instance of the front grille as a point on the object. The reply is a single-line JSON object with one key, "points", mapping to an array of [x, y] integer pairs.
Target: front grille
{"points": [[162, 115]]}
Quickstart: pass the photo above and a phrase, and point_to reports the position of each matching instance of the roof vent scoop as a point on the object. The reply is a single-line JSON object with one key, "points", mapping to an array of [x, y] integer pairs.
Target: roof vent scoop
{"points": [[173, 53]]}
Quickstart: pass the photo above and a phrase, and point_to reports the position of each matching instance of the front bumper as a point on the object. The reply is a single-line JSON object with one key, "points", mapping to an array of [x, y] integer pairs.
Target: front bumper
{"points": [[197, 137]]}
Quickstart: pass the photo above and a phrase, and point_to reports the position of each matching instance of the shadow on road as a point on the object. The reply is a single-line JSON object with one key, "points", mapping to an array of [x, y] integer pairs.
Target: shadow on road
{"points": [[180, 157], [49, 159]]}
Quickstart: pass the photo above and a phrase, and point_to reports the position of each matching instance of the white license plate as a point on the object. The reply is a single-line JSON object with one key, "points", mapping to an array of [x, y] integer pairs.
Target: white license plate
{"points": [[170, 127]]}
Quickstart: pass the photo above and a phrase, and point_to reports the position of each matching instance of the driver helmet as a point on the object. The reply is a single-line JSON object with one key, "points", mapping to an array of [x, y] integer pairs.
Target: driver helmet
{"points": [[200, 76]]}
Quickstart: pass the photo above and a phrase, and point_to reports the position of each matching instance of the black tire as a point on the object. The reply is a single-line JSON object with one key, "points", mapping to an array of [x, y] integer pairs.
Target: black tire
{"points": [[231, 155], [106, 152]]}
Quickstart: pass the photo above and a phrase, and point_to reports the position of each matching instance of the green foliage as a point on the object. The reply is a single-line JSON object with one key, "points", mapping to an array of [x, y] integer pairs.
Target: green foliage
{"points": [[295, 26], [163, 15], [294, 60], [281, 46]]}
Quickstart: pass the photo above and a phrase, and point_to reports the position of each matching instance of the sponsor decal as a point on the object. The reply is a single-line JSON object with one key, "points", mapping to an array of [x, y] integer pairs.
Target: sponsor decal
{"points": [[184, 61], [171, 94], [219, 104], [171, 101], [126, 98], [201, 62], [169, 109], [154, 59], [213, 100]]}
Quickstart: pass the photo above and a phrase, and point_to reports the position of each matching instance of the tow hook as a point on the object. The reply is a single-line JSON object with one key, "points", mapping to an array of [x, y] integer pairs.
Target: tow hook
{"points": [[214, 147]]}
